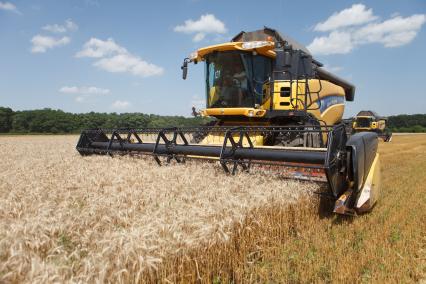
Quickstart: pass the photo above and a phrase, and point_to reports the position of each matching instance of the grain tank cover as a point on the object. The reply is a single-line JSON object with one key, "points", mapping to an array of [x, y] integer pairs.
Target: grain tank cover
{"points": [[262, 35], [301, 59], [368, 113]]}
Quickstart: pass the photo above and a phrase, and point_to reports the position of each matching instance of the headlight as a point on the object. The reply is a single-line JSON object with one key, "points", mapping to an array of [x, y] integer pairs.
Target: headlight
{"points": [[250, 113], [256, 44]]}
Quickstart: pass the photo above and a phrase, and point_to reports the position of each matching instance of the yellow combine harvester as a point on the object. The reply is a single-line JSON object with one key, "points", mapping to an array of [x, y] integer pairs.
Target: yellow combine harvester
{"points": [[368, 120], [275, 106]]}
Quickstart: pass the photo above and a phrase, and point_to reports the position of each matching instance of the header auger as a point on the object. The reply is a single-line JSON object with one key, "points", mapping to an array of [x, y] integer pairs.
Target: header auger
{"points": [[274, 106]]}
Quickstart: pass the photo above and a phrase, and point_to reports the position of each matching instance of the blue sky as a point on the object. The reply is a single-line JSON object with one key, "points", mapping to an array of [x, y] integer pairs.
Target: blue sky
{"points": [[125, 56]]}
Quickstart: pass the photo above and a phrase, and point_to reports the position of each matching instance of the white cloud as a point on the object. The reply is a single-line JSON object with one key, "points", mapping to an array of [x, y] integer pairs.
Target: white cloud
{"points": [[129, 63], [394, 32], [335, 43], [41, 44], [55, 28], [120, 105], [356, 26], [69, 26], [80, 99], [97, 48], [84, 93], [207, 24], [7, 6], [84, 90], [355, 15], [199, 37], [115, 58]]}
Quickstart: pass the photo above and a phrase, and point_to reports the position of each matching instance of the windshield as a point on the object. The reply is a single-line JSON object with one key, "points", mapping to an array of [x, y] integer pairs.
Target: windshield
{"points": [[363, 121], [235, 79]]}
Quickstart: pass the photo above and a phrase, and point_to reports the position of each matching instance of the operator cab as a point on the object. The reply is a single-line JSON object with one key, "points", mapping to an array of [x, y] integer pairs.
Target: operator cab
{"points": [[364, 122], [268, 78], [236, 78]]}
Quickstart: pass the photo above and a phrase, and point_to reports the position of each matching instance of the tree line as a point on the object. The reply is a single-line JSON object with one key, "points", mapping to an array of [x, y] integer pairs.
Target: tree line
{"points": [[57, 121], [407, 123]]}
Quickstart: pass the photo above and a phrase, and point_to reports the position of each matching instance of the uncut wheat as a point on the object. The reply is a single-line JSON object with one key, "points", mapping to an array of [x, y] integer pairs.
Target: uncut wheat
{"points": [[64, 217]]}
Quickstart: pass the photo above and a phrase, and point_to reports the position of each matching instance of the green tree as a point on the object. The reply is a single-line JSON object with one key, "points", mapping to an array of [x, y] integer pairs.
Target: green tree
{"points": [[6, 116]]}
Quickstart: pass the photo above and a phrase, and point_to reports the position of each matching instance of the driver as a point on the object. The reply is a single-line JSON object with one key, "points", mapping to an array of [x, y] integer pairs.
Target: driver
{"points": [[234, 84], [227, 89], [238, 74]]}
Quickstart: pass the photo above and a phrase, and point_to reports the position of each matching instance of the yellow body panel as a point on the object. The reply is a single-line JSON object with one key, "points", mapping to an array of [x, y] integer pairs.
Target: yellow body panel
{"points": [[293, 100], [239, 111], [331, 115], [229, 46], [371, 190], [286, 101], [381, 124], [367, 197], [213, 95], [217, 139]]}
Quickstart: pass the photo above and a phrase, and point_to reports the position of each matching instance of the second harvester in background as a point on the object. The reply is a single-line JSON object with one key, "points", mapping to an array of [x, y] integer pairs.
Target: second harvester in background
{"points": [[368, 120]]}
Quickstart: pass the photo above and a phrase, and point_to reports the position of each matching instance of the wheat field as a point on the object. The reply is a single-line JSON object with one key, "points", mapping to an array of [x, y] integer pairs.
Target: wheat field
{"points": [[68, 218]]}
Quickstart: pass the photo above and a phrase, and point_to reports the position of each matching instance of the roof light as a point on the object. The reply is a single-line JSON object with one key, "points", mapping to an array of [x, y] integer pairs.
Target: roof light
{"points": [[256, 44], [193, 56]]}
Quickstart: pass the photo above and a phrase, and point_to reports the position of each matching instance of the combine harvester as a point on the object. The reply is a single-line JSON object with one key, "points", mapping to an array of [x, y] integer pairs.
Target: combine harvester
{"points": [[275, 106], [368, 120]]}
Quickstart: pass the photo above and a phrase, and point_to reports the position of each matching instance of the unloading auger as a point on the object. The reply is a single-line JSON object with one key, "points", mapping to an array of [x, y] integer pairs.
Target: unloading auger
{"points": [[274, 107]]}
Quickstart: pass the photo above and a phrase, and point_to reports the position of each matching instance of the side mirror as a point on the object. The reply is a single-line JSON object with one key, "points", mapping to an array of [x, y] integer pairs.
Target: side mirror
{"points": [[184, 68]]}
